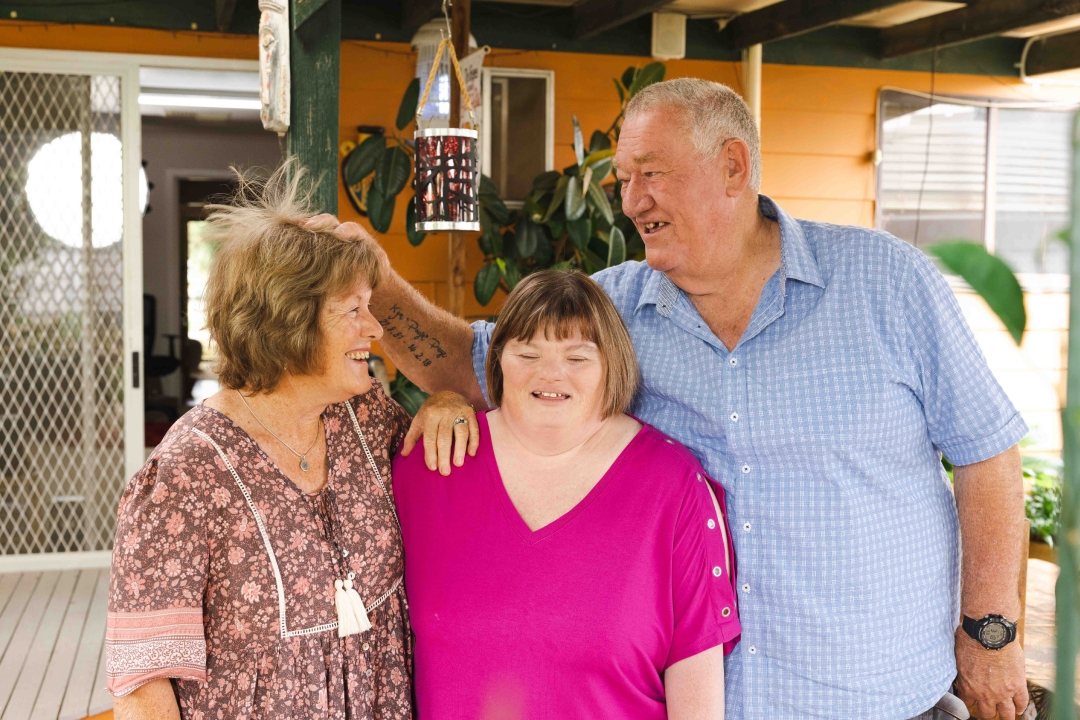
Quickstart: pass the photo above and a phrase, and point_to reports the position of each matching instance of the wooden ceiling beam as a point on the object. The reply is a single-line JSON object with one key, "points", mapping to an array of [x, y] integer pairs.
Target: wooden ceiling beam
{"points": [[1052, 54], [225, 9], [794, 17], [592, 17], [986, 18], [415, 13]]}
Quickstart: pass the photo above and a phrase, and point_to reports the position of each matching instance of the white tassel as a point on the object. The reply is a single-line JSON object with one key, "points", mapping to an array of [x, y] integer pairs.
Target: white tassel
{"points": [[359, 611], [346, 616]]}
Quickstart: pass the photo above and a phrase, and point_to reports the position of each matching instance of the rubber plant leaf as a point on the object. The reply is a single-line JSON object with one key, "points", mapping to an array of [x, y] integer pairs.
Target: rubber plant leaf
{"points": [[527, 236], [628, 76], [495, 207], [486, 283], [407, 110], [651, 73], [599, 141], [622, 93], [580, 231], [557, 199], [380, 208], [406, 394], [991, 278], [512, 275], [363, 160], [415, 236], [616, 254], [579, 141], [575, 203], [600, 201], [396, 167]]}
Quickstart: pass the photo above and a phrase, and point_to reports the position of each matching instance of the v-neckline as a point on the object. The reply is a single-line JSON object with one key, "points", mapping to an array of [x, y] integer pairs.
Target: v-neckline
{"points": [[289, 482], [530, 536]]}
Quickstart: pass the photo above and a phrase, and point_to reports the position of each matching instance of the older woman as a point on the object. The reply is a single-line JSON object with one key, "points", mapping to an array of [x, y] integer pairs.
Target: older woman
{"points": [[257, 568], [578, 566]]}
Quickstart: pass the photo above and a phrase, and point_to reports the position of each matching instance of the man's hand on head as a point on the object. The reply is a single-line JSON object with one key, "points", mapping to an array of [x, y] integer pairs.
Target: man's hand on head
{"points": [[991, 682], [350, 231]]}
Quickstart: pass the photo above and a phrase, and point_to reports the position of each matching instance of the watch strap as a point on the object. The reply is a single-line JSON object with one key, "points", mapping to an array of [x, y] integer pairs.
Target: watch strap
{"points": [[971, 627]]}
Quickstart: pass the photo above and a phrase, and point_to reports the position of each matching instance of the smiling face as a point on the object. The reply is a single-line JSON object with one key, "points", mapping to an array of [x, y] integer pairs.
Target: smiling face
{"points": [[347, 329], [551, 383], [682, 204]]}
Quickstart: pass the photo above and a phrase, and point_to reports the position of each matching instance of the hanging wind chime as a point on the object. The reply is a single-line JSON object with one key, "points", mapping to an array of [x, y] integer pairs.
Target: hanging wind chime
{"points": [[447, 169]]}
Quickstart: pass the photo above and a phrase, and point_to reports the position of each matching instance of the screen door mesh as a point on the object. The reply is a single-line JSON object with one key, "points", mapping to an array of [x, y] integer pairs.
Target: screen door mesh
{"points": [[61, 309]]}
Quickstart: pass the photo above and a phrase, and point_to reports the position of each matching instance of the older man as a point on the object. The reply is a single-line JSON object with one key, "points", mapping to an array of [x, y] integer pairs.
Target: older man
{"points": [[818, 371]]}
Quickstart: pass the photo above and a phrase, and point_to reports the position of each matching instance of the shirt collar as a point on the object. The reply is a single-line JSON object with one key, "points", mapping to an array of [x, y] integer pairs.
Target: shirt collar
{"points": [[797, 262]]}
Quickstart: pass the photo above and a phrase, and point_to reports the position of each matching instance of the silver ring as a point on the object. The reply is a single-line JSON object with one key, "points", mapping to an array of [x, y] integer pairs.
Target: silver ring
{"points": [[459, 421]]}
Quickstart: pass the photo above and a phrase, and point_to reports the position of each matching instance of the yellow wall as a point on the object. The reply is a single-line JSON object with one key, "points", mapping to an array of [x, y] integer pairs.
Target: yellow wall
{"points": [[818, 127]]}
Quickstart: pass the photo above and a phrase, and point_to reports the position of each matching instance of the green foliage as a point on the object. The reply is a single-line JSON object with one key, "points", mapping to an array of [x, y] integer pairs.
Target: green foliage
{"points": [[991, 278], [407, 110], [406, 394], [569, 219], [391, 163], [1042, 501]]}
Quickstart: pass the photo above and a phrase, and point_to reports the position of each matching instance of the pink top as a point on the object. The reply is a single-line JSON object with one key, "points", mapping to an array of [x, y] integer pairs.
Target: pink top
{"points": [[578, 619]]}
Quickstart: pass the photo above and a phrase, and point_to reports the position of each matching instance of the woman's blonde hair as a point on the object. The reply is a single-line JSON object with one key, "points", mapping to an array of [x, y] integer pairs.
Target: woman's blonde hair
{"points": [[556, 303], [271, 277]]}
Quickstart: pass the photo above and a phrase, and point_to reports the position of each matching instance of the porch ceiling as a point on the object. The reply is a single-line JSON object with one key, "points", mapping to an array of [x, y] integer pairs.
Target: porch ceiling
{"points": [[866, 33]]}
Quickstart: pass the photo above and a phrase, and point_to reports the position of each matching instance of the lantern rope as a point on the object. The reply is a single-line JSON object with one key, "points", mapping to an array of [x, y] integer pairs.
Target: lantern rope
{"points": [[446, 44]]}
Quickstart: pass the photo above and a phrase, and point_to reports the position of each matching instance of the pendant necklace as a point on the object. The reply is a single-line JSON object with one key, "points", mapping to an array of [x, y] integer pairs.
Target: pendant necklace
{"points": [[304, 466]]}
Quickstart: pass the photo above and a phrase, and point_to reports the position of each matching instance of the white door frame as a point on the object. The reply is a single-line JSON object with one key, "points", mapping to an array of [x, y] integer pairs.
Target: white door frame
{"points": [[126, 67]]}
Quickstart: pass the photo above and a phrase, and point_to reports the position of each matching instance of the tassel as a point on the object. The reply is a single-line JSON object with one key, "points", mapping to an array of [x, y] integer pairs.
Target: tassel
{"points": [[359, 611], [347, 622]]}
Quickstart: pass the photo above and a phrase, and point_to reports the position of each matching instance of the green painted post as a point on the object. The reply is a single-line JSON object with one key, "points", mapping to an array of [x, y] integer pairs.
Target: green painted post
{"points": [[1068, 608], [315, 62]]}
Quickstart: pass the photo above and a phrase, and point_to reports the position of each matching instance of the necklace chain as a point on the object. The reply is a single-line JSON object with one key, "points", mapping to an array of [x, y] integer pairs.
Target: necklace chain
{"points": [[303, 456]]}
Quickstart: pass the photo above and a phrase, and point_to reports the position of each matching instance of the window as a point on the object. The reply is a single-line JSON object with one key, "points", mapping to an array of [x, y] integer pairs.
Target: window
{"points": [[996, 175], [518, 129]]}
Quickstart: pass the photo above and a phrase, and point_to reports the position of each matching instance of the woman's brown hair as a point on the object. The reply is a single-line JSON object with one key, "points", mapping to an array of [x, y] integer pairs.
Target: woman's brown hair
{"points": [[271, 277], [558, 302]]}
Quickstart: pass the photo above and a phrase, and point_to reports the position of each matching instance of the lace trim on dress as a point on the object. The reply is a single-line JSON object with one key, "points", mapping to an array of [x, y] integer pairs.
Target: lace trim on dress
{"points": [[285, 632]]}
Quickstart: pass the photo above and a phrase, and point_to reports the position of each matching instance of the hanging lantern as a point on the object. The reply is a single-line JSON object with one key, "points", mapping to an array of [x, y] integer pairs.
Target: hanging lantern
{"points": [[447, 180]]}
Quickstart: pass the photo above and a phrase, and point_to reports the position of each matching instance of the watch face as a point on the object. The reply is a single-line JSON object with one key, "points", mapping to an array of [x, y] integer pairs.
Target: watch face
{"points": [[994, 633]]}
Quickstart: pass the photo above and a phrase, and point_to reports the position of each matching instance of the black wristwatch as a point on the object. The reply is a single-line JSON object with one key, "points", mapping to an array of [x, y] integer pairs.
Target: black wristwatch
{"points": [[993, 632]]}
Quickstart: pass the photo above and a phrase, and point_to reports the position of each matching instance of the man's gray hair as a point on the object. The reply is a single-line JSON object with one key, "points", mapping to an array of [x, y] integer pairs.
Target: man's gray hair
{"points": [[713, 112]]}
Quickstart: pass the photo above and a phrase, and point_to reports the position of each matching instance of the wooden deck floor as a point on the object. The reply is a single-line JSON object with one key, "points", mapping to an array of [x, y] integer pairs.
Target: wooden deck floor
{"points": [[52, 638]]}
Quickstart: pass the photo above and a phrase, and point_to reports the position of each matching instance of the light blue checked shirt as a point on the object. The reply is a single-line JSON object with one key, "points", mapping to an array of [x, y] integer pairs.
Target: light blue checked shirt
{"points": [[824, 426]]}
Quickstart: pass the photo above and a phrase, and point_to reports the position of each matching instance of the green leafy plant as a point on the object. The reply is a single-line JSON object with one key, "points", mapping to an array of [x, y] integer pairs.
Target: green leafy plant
{"points": [[569, 219], [1042, 497], [990, 277], [407, 394], [391, 162]]}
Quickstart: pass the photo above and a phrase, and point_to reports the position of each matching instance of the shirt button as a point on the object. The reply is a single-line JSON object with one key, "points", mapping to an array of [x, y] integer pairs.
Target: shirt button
{"points": [[746, 527], [712, 524], [734, 361], [717, 571], [746, 587], [366, 647], [734, 417], [745, 469], [345, 553], [752, 650]]}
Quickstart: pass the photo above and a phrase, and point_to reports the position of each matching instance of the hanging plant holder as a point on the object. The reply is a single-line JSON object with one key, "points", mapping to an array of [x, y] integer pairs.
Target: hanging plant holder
{"points": [[447, 180], [447, 163]]}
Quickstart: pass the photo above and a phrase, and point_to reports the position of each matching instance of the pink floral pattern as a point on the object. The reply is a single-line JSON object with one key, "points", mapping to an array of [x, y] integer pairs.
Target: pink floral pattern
{"points": [[187, 542]]}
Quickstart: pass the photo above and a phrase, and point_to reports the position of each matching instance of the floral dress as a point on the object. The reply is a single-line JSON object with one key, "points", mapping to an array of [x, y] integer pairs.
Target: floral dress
{"points": [[223, 574]]}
